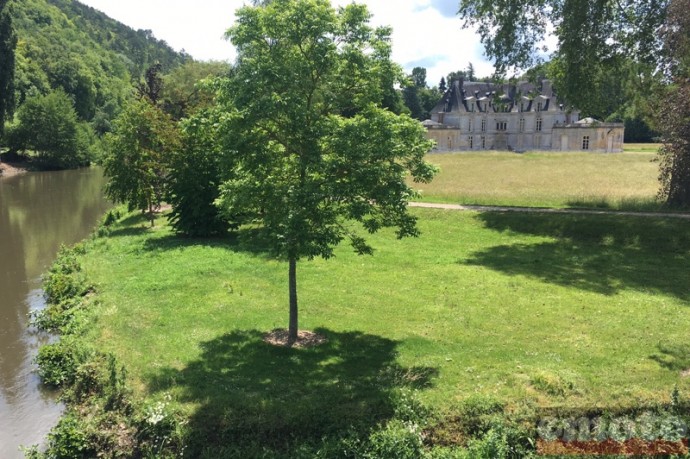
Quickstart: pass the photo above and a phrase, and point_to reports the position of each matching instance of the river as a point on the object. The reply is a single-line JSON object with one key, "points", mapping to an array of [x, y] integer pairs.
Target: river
{"points": [[39, 211]]}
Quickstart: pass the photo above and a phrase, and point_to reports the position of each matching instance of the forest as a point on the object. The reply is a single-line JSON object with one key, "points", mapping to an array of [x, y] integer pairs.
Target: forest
{"points": [[69, 68]]}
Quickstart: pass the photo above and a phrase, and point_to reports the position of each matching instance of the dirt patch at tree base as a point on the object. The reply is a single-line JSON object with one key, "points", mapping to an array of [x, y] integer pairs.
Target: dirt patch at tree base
{"points": [[685, 373], [305, 339]]}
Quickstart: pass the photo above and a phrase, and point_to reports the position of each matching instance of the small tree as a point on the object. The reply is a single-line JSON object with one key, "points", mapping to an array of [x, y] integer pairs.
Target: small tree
{"points": [[136, 159], [313, 146]]}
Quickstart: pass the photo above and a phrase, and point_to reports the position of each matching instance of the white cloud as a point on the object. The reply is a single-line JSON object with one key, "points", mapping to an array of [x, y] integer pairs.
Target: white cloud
{"points": [[424, 31]]}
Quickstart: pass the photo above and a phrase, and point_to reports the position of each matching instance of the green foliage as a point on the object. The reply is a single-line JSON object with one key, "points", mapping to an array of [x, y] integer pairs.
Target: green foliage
{"points": [[184, 93], [8, 43], [137, 153], [64, 281], [68, 439], [397, 440], [311, 145], [64, 44], [607, 53], [673, 112], [49, 126], [195, 175], [56, 364]]}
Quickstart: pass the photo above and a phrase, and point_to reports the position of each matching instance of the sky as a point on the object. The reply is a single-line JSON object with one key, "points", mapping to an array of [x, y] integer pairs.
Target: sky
{"points": [[426, 33]]}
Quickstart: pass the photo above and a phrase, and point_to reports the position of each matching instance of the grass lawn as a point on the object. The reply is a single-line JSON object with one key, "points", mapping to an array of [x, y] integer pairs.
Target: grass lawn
{"points": [[527, 309], [627, 180]]}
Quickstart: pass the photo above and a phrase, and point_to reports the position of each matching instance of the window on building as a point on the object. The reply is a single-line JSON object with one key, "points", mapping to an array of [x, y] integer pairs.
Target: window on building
{"points": [[469, 125], [483, 143], [471, 142], [501, 125], [540, 105], [483, 125], [522, 125], [538, 128], [585, 142]]}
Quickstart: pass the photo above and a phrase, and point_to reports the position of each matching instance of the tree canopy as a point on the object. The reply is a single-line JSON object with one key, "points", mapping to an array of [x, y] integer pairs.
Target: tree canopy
{"points": [[674, 111], [49, 126], [8, 42], [314, 147], [594, 36], [137, 154]]}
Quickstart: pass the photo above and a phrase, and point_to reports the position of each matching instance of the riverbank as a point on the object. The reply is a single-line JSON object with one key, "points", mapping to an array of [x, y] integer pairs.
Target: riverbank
{"points": [[486, 323], [12, 169]]}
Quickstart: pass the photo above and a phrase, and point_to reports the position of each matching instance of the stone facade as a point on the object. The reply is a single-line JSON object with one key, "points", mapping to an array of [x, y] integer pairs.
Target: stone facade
{"points": [[516, 117]]}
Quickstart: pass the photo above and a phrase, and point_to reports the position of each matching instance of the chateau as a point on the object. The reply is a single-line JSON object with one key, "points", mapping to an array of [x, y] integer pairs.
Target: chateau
{"points": [[517, 117]]}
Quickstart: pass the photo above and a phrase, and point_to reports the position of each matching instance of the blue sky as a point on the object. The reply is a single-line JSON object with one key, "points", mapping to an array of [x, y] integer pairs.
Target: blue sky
{"points": [[426, 33]]}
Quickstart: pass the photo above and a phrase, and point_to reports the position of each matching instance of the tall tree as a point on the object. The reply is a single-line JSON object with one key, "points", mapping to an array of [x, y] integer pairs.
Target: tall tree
{"points": [[48, 125], [674, 110], [597, 39], [442, 86], [418, 77], [313, 146], [137, 155], [592, 35], [8, 43]]}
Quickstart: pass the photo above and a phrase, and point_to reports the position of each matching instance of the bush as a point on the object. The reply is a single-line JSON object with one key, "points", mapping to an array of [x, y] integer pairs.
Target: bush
{"points": [[64, 281], [69, 440], [56, 364], [398, 440]]}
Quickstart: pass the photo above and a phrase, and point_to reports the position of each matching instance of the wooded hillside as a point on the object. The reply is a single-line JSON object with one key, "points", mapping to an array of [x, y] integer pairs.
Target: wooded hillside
{"points": [[93, 58]]}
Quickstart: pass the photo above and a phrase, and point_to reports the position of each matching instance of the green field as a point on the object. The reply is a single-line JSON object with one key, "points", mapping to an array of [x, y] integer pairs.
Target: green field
{"points": [[530, 310], [625, 180]]}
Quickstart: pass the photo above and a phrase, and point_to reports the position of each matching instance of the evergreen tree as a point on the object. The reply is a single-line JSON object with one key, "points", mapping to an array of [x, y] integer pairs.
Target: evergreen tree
{"points": [[8, 43]]}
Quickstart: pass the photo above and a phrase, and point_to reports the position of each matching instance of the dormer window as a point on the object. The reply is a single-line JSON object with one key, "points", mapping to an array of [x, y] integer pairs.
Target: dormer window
{"points": [[540, 106]]}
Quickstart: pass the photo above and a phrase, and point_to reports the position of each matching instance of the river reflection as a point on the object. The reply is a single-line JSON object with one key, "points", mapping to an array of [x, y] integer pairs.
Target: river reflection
{"points": [[38, 212]]}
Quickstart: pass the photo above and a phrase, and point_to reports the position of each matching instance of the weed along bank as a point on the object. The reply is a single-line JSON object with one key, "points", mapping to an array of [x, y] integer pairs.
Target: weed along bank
{"points": [[516, 117]]}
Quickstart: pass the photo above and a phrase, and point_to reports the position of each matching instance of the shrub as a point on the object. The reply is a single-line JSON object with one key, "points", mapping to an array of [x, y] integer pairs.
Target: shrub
{"points": [[397, 440], [69, 440], [56, 364], [64, 281]]}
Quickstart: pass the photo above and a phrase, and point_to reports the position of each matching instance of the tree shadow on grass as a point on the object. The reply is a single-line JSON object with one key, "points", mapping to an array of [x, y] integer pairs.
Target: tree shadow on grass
{"points": [[249, 392], [603, 254], [133, 225], [250, 240], [675, 357]]}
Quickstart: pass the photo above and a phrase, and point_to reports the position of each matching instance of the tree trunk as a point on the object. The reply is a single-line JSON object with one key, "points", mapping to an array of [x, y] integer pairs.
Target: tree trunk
{"points": [[292, 330]]}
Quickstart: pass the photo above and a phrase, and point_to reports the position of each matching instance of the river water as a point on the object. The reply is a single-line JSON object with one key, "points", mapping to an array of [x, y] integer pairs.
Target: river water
{"points": [[39, 211]]}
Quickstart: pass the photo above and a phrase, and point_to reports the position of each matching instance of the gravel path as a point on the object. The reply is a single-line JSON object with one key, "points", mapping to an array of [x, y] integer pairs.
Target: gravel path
{"points": [[430, 205]]}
